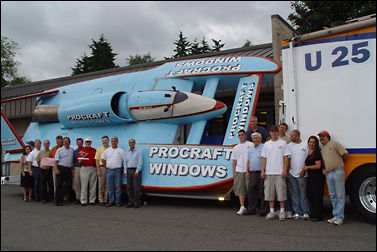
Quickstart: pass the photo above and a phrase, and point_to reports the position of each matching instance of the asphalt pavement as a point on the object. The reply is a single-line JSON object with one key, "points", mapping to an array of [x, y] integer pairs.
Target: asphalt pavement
{"points": [[168, 224]]}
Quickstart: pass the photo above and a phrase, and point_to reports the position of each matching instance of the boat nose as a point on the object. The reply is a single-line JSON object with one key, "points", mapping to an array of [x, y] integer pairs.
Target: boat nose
{"points": [[219, 105]]}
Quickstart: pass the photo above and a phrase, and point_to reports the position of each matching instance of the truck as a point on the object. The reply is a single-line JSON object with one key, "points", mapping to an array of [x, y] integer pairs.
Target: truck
{"points": [[329, 83]]}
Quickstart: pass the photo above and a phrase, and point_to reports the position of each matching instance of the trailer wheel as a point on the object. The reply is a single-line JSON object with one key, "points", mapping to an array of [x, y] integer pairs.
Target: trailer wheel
{"points": [[363, 193]]}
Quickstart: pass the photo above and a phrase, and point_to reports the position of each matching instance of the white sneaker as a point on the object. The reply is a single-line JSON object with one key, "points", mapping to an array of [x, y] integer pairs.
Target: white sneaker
{"points": [[241, 211], [306, 217], [296, 216], [289, 215], [331, 221], [282, 216], [338, 222], [270, 216]]}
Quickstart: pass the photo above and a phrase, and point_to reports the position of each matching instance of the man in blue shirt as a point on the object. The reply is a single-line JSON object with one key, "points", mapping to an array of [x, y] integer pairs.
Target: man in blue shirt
{"points": [[63, 167], [255, 190], [253, 127], [132, 170]]}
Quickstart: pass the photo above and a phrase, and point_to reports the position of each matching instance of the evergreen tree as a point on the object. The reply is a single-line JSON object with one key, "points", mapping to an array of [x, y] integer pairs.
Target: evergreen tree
{"points": [[182, 46], [139, 59], [83, 65], [247, 43], [195, 49], [185, 48], [312, 16], [217, 46], [102, 57], [205, 47]]}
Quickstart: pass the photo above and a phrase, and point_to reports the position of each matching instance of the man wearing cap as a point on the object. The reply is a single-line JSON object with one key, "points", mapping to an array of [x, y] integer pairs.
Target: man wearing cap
{"points": [[88, 173], [334, 155], [77, 178]]}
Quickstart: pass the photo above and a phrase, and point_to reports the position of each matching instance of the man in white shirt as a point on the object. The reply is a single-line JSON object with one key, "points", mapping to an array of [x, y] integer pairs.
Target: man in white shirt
{"points": [[112, 159], [296, 180], [34, 169], [274, 172], [240, 156]]}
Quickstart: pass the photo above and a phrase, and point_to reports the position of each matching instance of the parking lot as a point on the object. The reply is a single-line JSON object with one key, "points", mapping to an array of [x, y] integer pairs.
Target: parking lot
{"points": [[168, 224]]}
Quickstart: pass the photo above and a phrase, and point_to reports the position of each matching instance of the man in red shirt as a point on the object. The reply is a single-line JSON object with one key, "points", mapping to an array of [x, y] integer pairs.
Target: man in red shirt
{"points": [[88, 173]]}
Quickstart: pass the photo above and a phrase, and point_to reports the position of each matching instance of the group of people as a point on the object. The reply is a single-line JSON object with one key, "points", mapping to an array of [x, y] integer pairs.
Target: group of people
{"points": [[270, 167], [68, 174]]}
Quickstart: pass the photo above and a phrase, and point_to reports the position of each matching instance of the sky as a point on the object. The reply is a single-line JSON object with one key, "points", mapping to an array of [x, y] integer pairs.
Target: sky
{"points": [[53, 35]]}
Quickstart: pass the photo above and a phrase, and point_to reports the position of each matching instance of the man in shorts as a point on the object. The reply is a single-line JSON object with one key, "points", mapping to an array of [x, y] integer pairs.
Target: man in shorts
{"points": [[274, 172], [240, 156]]}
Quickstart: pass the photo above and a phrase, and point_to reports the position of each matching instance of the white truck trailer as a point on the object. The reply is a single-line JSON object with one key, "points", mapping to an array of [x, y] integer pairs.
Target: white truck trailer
{"points": [[329, 83]]}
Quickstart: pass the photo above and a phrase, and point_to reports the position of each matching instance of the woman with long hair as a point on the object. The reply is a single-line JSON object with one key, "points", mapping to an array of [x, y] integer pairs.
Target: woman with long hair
{"points": [[26, 180], [315, 181]]}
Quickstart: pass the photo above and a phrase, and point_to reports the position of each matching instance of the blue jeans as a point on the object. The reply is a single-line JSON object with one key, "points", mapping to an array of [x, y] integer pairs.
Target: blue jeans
{"points": [[36, 172], [297, 189], [336, 185], [114, 184], [288, 202]]}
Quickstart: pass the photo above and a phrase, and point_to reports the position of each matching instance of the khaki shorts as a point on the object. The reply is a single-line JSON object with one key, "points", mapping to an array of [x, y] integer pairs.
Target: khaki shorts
{"points": [[240, 183], [272, 184]]}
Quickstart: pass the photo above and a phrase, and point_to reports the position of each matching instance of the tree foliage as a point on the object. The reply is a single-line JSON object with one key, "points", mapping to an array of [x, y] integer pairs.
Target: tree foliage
{"points": [[9, 74], [205, 47], [139, 59], [217, 45], [182, 46], [312, 16], [195, 47], [247, 43], [186, 48], [101, 58]]}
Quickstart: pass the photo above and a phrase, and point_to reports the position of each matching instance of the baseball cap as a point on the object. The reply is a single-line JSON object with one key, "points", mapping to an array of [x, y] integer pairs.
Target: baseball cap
{"points": [[323, 132], [88, 139]]}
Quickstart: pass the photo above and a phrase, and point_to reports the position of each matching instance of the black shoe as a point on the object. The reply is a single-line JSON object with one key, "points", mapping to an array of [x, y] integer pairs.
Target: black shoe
{"points": [[261, 214], [44, 202], [77, 202], [92, 204], [250, 212], [59, 204], [83, 204]]}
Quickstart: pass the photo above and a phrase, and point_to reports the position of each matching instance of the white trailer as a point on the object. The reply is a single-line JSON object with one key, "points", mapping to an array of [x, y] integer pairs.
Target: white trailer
{"points": [[329, 83]]}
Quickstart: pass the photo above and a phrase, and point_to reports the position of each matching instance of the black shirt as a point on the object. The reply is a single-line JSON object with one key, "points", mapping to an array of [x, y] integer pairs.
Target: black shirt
{"points": [[310, 160]]}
